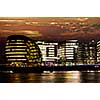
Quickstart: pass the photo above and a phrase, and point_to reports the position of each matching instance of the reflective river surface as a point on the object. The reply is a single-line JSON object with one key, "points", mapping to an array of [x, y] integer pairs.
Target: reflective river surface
{"points": [[54, 77]]}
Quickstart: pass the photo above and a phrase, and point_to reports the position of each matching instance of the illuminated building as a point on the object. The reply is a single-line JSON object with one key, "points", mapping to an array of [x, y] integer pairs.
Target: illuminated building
{"points": [[67, 52], [92, 52], [22, 51], [86, 53], [49, 51], [98, 52]]}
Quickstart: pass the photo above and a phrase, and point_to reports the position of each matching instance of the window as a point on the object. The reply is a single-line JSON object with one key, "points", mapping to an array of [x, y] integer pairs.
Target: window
{"points": [[16, 59], [14, 46], [16, 52], [17, 56]]}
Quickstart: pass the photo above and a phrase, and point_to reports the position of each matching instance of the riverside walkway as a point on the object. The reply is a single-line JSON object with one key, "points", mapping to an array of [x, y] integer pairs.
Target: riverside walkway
{"points": [[50, 68]]}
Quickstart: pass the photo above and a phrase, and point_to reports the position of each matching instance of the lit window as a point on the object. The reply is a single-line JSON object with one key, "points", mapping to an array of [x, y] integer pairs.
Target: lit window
{"points": [[16, 52], [30, 60], [20, 40], [14, 46], [13, 40], [17, 56], [16, 59], [18, 49], [33, 50], [7, 50]]}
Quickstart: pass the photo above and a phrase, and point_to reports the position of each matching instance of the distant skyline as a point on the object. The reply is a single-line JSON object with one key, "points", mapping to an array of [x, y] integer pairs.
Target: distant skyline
{"points": [[51, 28]]}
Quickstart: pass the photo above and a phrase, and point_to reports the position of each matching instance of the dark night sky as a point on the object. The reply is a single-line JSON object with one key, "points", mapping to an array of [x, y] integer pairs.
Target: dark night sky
{"points": [[52, 28]]}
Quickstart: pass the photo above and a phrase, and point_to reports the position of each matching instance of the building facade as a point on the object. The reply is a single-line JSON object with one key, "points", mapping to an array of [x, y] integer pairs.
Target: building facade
{"points": [[87, 53], [22, 51], [59, 53], [67, 52], [98, 52], [49, 52]]}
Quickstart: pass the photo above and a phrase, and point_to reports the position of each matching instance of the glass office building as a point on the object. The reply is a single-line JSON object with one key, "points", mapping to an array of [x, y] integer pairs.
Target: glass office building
{"points": [[87, 53], [22, 51], [49, 52], [98, 52], [67, 52]]}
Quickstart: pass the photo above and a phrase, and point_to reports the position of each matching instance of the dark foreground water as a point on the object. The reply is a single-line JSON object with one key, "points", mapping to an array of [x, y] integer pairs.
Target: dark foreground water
{"points": [[54, 77]]}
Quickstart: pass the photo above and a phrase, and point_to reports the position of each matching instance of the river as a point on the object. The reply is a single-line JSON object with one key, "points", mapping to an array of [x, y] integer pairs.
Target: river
{"points": [[54, 77]]}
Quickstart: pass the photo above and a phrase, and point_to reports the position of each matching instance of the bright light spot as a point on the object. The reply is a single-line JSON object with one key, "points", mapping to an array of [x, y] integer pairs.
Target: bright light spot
{"points": [[93, 41], [76, 46], [46, 72], [10, 20], [53, 23], [91, 71], [82, 19], [11, 71], [34, 22], [29, 32], [72, 76], [7, 20], [28, 23], [67, 23], [98, 71]]}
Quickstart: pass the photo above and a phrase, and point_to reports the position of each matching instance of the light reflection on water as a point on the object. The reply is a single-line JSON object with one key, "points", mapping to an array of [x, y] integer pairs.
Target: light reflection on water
{"points": [[54, 77]]}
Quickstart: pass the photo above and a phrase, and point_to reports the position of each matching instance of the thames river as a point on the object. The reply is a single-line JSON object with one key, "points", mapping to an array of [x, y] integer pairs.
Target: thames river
{"points": [[54, 77]]}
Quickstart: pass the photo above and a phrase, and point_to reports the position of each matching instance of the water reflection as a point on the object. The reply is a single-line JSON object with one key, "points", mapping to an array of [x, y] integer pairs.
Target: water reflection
{"points": [[54, 77], [90, 77], [73, 77]]}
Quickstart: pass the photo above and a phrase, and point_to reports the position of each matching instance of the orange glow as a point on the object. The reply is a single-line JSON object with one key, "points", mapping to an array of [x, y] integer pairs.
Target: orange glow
{"points": [[52, 28]]}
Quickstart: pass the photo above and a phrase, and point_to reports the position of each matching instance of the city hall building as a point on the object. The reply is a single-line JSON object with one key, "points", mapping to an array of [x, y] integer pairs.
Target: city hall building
{"points": [[22, 51]]}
